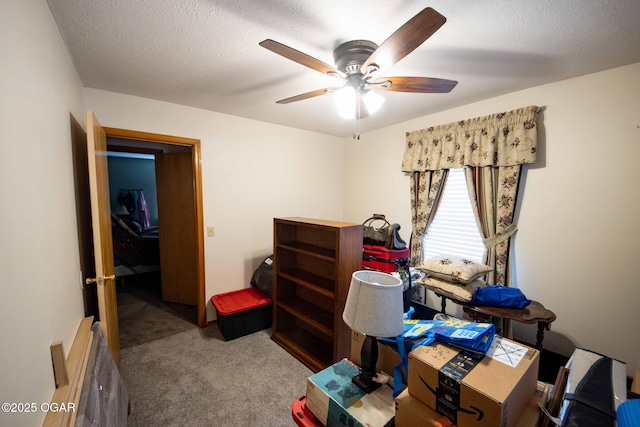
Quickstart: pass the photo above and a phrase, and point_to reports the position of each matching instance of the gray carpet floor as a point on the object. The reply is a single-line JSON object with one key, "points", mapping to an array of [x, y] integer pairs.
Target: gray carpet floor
{"points": [[144, 317], [191, 377]]}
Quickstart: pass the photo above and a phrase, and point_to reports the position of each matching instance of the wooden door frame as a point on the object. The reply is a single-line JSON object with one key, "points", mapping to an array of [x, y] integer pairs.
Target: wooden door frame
{"points": [[194, 145]]}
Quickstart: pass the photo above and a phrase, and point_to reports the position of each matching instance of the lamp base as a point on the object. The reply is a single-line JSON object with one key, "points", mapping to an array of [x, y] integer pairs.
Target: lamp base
{"points": [[368, 362], [365, 382]]}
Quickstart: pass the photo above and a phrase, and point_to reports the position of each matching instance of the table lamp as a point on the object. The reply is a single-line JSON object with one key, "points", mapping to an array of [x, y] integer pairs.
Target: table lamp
{"points": [[374, 307]]}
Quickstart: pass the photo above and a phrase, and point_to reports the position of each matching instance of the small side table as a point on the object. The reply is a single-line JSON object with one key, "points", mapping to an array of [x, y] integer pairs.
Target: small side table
{"points": [[533, 313]]}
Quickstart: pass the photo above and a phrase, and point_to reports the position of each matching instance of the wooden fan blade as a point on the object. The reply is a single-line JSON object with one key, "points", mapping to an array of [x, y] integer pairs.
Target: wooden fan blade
{"points": [[300, 58], [416, 84], [307, 95], [406, 38]]}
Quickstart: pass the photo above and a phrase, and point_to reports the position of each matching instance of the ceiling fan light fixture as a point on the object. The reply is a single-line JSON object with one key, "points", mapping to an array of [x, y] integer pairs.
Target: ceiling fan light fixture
{"points": [[345, 99], [347, 113], [358, 61], [373, 101]]}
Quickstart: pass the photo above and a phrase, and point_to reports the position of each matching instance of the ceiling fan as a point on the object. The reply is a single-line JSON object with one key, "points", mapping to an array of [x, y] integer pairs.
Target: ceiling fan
{"points": [[359, 61]]}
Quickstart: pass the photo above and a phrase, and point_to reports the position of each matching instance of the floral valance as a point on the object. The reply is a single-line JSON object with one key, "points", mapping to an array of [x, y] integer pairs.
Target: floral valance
{"points": [[502, 139]]}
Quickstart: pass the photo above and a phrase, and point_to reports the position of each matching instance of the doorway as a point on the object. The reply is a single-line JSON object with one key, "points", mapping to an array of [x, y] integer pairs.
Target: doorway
{"points": [[148, 142], [89, 157], [186, 272], [156, 296]]}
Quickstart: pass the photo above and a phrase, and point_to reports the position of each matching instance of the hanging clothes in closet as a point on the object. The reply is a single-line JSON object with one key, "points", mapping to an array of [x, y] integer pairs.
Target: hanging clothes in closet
{"points": [[133, 200], [143, 211]]}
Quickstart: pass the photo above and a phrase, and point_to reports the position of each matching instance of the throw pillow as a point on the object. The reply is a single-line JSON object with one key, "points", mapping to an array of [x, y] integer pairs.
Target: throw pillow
{"points": [[459, 291], [454, 269]]}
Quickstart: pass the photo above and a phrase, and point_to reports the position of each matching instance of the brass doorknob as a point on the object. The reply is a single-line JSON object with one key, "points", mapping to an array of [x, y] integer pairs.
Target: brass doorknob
{"points": [[99, 280]]}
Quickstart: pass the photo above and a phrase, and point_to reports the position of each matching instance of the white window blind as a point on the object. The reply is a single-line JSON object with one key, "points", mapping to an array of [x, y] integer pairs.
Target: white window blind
{"points": [[454, 230]]}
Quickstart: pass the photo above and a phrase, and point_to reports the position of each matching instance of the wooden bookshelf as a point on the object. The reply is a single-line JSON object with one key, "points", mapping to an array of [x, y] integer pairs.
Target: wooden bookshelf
{"points": [[313, 263]]}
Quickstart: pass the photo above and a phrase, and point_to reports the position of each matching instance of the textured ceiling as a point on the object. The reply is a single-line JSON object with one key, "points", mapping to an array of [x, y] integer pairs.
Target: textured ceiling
{"points": [[205, 53]]}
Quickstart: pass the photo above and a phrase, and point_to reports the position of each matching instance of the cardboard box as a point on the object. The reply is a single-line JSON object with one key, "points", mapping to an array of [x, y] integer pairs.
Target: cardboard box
{"points": [[388, 357], [412, 412], [336, 401], [532, 412], [470, 389]]}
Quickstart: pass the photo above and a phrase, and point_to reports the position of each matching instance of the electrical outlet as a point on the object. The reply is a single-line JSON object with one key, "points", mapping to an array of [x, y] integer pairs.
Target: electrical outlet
{"points": [[210, 231]]}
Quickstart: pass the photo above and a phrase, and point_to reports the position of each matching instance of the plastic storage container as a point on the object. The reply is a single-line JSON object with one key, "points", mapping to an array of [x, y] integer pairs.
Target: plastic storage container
{"points": [[301, 415], [242, 312]]}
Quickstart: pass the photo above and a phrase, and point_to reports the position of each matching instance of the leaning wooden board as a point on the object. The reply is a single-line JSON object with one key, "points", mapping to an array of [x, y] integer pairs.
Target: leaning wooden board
{"points": [[73, 369]]}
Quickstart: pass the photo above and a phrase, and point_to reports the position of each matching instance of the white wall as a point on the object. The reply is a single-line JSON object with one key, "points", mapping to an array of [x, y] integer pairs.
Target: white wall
{"points": [[251, 173], [578, 245], [40, 298]]}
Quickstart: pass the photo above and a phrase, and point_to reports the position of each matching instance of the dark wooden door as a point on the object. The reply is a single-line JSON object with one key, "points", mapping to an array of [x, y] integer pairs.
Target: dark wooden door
{"points": [[178, 230]]}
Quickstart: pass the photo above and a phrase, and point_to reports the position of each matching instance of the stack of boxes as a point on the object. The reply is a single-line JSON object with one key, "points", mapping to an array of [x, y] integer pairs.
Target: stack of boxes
{"points": [[448, 386]]}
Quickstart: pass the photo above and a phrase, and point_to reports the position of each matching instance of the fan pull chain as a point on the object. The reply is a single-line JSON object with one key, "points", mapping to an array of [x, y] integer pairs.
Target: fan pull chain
{"points": [[356, 121]]}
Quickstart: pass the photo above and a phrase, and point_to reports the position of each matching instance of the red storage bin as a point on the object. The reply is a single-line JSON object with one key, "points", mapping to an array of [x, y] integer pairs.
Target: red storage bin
{"points": [[301, 415], [386, 260], [242, 312]]}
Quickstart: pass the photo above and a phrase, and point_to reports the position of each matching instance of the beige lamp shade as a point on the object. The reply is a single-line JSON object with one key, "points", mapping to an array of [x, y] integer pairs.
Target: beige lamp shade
{"points": [[374, 304]]}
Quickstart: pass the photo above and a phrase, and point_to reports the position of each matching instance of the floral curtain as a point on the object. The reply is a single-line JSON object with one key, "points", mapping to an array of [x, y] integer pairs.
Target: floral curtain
{"points": [[425, 196], [492, 150], [503, 139], [493, 194]]}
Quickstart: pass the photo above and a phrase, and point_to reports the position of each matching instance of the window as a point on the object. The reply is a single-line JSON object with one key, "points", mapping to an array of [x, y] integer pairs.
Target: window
{"points": [[454, 230]]}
